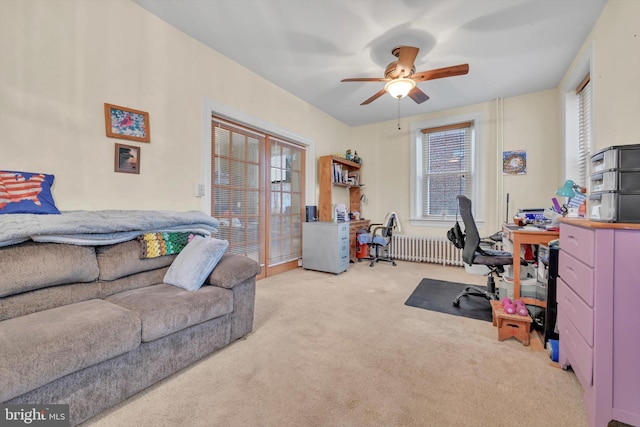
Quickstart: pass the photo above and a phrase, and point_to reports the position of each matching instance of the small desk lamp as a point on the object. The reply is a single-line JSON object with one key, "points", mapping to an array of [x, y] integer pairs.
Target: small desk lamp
{"points": [[568, 189]]}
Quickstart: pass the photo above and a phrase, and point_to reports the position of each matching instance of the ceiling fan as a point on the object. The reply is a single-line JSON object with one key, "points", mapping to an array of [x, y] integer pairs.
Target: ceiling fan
{"points": [[401, 78]]}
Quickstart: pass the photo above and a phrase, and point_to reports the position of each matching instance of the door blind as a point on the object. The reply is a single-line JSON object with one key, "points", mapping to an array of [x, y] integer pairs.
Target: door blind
{"points": [[235, 189]]}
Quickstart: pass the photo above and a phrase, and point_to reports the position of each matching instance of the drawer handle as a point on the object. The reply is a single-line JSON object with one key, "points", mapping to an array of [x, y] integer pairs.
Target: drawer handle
{"points": [[572, 272], [570, 304]]}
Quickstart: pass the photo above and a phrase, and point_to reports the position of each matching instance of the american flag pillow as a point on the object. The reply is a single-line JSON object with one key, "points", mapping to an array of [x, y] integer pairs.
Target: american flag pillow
{"points": [[26, 192]]}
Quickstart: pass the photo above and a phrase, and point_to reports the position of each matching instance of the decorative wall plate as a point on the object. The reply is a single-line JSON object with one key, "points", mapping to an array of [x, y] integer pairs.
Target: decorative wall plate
{"points": [[514, 163]]}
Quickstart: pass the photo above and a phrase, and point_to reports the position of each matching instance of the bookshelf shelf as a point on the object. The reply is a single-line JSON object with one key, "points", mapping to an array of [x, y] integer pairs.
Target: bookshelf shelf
{"points": [[329, 178]]}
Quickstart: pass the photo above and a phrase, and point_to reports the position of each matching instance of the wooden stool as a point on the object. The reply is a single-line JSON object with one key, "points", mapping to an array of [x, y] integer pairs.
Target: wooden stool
{"points": [[510, 325]]}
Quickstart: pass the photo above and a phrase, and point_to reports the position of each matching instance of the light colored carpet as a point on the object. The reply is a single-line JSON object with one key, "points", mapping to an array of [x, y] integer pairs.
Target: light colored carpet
{"points": [[344, 350]]}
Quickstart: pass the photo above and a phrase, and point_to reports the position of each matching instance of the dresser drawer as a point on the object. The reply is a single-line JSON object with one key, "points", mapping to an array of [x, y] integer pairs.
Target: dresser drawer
{"points": [[580, 314], [579, 242], [578, 276], [575, 349]]}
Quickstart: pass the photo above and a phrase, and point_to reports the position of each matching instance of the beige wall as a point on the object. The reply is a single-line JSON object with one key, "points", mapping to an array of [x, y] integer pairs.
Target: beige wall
{"points": [[60, 61], [528, 122], [532, 122], [616, 74]]}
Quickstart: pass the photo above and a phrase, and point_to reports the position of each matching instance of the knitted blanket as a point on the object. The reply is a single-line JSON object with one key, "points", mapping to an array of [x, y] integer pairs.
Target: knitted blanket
{"points": [[160, 244]]}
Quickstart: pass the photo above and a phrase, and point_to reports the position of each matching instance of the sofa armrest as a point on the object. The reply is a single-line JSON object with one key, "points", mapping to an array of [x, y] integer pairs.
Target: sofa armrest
{"points": [[231, 270]]}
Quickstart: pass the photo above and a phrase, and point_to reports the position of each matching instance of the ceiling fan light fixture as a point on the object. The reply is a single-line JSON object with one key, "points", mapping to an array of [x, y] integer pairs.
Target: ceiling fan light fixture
{"points": [[399, 88]]}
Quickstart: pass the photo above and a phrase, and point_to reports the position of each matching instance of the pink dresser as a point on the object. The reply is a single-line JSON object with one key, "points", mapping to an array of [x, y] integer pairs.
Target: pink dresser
{"points": [[599, 316]]}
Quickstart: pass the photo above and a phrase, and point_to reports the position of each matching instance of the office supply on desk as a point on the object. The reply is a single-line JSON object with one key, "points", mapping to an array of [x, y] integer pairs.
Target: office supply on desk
{"points": [[576, 199]]}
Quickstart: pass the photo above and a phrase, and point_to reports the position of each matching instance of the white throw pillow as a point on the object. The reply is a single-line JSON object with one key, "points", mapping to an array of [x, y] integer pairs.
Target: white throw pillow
{"points": [[195, 262]]}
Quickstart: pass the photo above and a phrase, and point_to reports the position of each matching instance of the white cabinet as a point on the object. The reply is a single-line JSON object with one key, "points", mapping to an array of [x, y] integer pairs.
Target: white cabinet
{"points": [[325, 246]]}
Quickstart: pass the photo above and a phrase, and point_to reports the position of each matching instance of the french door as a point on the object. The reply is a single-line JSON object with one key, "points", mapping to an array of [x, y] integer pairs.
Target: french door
{"points": [[257, 184], [286, 184]]}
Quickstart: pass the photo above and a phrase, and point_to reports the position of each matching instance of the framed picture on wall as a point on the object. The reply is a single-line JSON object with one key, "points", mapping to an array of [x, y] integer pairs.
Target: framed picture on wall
{"points": [[514, 162], [126, 123], [127, 159]]}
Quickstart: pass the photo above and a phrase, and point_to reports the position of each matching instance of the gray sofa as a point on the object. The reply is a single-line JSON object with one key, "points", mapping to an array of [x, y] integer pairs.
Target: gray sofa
{"points": [[90, 326]]}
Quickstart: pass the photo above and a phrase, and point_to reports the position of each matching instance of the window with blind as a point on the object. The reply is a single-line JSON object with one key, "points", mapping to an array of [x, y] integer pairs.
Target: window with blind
{"points": [[584, 129], [444, 169]]}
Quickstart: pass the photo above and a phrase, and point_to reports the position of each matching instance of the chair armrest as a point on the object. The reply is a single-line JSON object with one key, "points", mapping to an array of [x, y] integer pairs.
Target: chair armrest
{"points": [[375, 229], [372, 226]]}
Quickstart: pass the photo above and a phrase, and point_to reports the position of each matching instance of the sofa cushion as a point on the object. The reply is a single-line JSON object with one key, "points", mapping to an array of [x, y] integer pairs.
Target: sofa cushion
{"points": [[233, 269], [123, 259], [41, 347], [165, 309], [32, 265], [134, 281], [47, 298], [195, 262]]}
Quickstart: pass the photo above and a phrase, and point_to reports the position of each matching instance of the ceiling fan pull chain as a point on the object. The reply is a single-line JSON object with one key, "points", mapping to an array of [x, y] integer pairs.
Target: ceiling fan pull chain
{"points": [[399, 128]]}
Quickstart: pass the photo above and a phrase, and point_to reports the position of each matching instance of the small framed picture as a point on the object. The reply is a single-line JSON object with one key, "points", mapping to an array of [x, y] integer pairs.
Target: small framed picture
{"points": [[126, 123], [514, 162], [127, 159]]}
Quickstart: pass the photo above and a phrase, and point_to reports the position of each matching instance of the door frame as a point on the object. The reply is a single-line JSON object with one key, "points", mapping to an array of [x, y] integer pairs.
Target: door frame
{"points": [[212, 108]]}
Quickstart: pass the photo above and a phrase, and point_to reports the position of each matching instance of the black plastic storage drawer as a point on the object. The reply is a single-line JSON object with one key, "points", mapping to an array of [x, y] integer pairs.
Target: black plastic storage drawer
{"points": [[614, 206], [616, 157], [616, 180]]}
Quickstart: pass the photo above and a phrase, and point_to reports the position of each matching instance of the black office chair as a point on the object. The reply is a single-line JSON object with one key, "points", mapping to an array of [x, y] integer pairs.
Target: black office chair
{"points": [[473, 253], [379, 240]]}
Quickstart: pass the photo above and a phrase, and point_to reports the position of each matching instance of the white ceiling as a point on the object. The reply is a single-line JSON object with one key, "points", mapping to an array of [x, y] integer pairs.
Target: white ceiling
{"points": [[306, 47]]}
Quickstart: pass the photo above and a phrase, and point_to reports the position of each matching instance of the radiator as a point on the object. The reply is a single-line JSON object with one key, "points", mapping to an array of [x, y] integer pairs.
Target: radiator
{"points": [[437, 250]]}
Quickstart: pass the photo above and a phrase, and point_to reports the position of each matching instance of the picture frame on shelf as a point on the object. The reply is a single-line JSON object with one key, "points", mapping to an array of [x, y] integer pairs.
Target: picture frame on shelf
{"points": [[127, 159], [126, 123]]}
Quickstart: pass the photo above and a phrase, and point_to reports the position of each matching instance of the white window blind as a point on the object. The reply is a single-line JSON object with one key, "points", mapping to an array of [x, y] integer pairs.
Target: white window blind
{"points": [[236, 187], [584, 129], [447, 168]]}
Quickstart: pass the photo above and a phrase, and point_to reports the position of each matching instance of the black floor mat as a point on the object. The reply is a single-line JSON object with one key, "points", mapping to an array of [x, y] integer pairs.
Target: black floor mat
{"points": [[438, 295]]}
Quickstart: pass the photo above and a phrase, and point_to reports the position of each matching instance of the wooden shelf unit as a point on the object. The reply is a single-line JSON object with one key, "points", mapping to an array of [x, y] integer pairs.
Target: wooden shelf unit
{"points": [[325, 175]]}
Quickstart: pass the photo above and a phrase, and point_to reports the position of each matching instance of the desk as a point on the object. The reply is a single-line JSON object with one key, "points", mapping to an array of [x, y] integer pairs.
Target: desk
{"points": [[354, 226], [521, 236]]}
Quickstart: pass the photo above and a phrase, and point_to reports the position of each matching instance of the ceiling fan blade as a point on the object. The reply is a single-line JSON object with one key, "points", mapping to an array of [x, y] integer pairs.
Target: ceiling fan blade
{"points": [[365, 79], [456, 70], [406, 58], [374, 97], [417, 95]]}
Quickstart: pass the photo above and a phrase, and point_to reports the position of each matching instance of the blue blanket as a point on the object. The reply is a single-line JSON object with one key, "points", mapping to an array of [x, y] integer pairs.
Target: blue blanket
{"points": [[105, 227]]}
